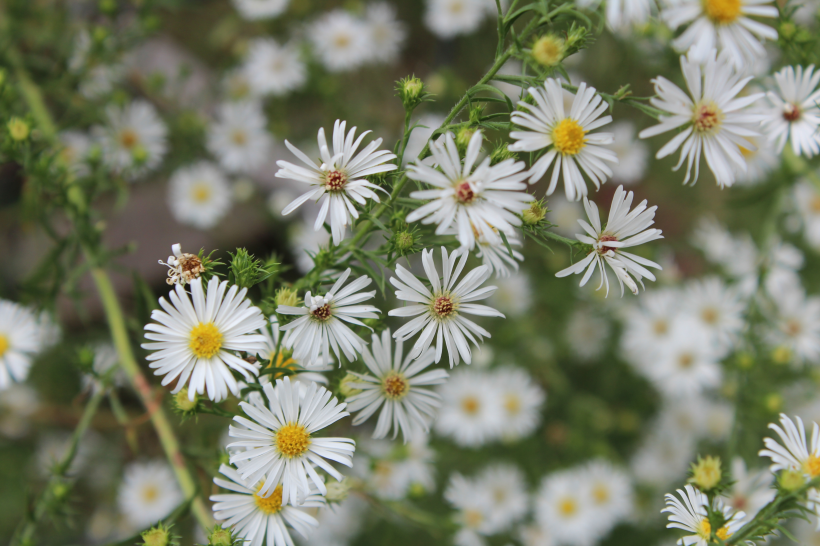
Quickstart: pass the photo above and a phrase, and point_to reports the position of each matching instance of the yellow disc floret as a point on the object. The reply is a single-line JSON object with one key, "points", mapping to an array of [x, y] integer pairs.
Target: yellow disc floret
{"points": [[811, 466], [568, 506], [722, 12], [269, 505], [707, 117], [4, 344], [395, 386], [201, 193], [568, 137], [292, 440], [206, 340]]}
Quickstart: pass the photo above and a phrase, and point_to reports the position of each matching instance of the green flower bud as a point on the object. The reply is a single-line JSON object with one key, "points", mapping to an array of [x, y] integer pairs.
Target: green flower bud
{"points": [[501, 153], [139, 154], [791, 480], [18, 129], [465, 134], [706, 473], [548, 50], [338, 491], [183, 404], [222, 537], [412, 92], [344, 386], [246, 270], [534, 214], [286, 296], [404, 241], [156, 536]]}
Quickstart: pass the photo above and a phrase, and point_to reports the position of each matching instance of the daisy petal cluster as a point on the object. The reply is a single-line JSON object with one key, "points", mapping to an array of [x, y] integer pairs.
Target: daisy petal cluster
{"points": [[199, 195], [194, 338], [238, 138], [397, 387], [277, 444], [260, 9], [261, 520], [21, 338], [273, 69], [134, 140], [571, 146], [440, 309], [321, 323], [624, 228], [477, 203], [794, 115], [721, 24], [338, 183], [716, 122], [690, 514]]}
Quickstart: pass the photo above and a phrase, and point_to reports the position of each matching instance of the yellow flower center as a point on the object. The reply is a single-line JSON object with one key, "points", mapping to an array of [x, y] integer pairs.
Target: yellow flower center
{"points": [[128, 138], [705, 528], [201, 193], [814, 205], [335, 180], [470, 405], [473, 518], [707, 117], [456, 7], [709, 315], [723, 533], [568, 137], [342, 41], [150, 493], [722, 12], [395, 386], [282, 359], [4, 345], [269, 505], [444, 306], [568, 507], [660, 327], [292, 440], [600, 493], [685, 361], [512, 403], [206, 340], [811, 466], [239, 137]]}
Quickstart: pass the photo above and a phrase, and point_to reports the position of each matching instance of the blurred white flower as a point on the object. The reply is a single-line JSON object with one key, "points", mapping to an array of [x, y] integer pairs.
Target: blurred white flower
{"points": [[20, 339], [761, 160], [750, 490], [341, 41], [795, 111], [472, 412], [474, 505], [449, 18], [17, 404], [521, 401], [260, 9], [807, 200], [148, 493], [719, 310], [134, 139], [338, 522], [567, 509], [238, 137], [273, 69], [505, 485], [688, 364], [587, 334], [633, 154], [105, 360], [199, 195], [796, 326], [74, 151], [387, 34], [610, 489], [513, 294]]}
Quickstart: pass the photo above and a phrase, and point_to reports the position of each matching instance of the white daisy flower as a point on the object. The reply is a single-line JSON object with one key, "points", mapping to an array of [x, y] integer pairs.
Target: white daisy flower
{"points": [[795, 112], [567, 510], [105, 360], [397, 387], [650, 324], [20, 340], [721, 24], [426, 124], [340, 40], [521, 401], [505, 485], [587, 333], [261, 520], [387, 34], [715, 120], [260, 9], [238, 137], [321, 327], [663, 457], [304, 243], [476, 203], [568, 136], [74, 151], [474, 505], [610, 490], [340, 179], [794, 453], [691, 515], [807, 201], [750, 490], [633, 154], [718, 309], [440, 313], [281, 357], [471, 413], [236, 85], [199, 195], [148, 493], [339, 522], [273, 69], [196, 337], [449, 18], [797, 325], [394, 472], [134, 139], [279, 442], [624, 229]]}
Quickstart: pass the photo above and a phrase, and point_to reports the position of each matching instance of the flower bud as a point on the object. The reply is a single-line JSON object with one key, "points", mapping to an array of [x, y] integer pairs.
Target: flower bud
{"points": [[706, 473], [745, 361], [221, 537], [781, 355], [139, 154], [344, 386], [286, 296], [412, 92], [534, 214], [791, 480], [404, 241], [157, 536], [465, 134], [773, 402], [501, 153], [183, 404], [18, 129], [548, 50]]}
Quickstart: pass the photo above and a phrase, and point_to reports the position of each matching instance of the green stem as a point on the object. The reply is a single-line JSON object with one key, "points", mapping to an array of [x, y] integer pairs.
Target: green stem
{"points": [[25, 533], [119, 333], [31, 93]]}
